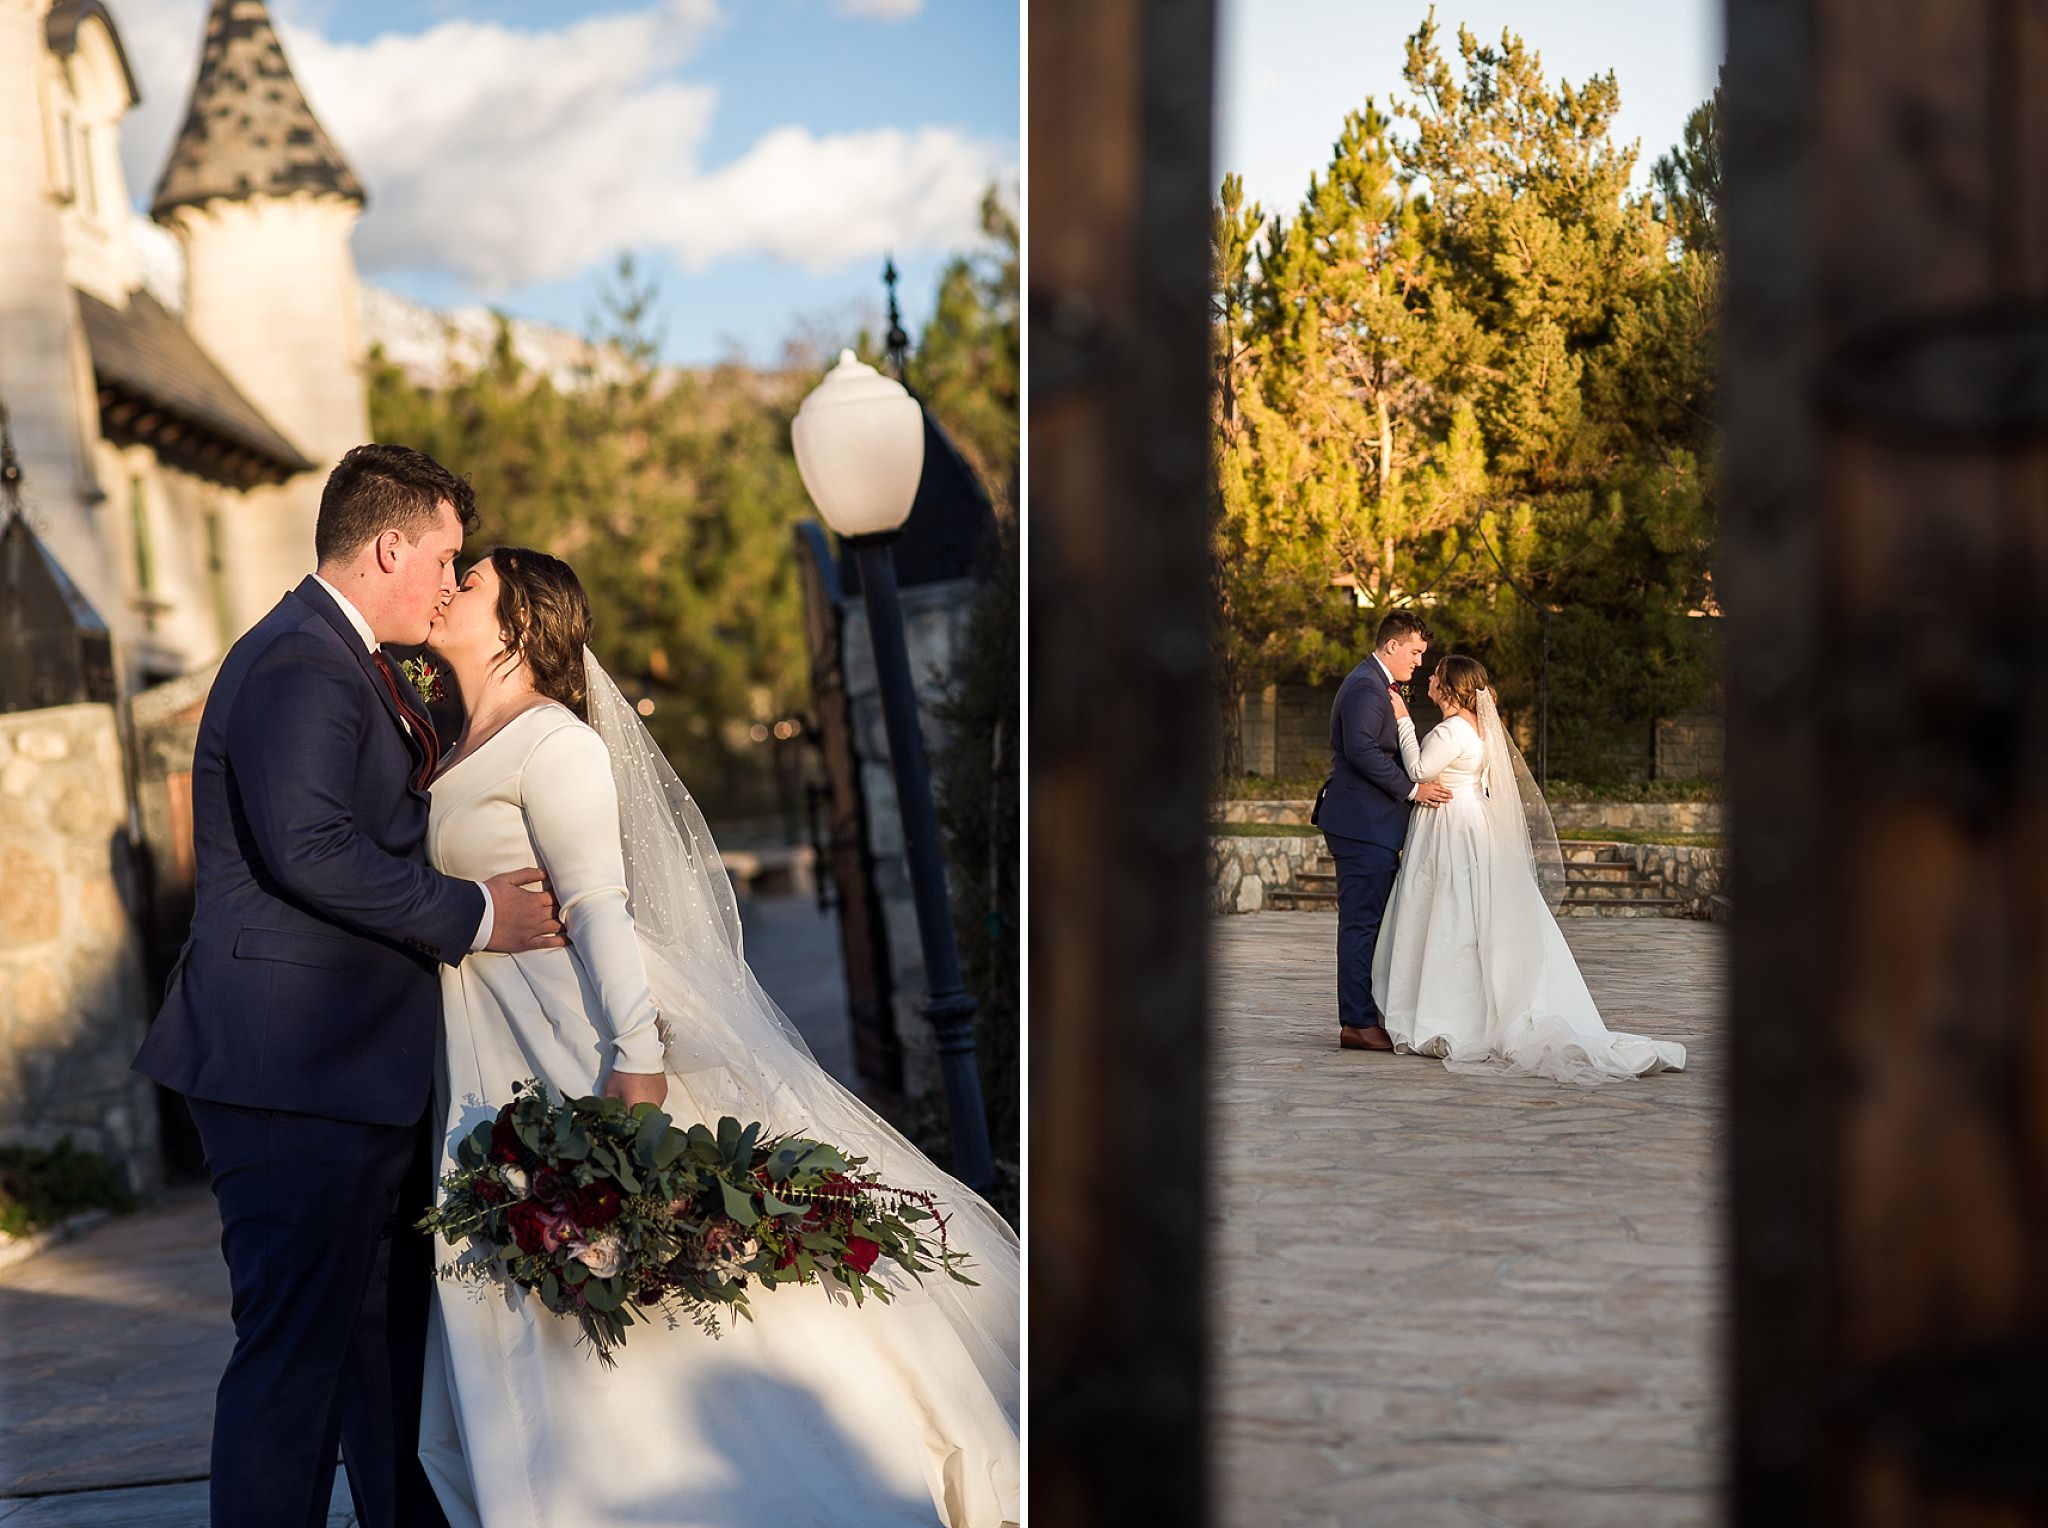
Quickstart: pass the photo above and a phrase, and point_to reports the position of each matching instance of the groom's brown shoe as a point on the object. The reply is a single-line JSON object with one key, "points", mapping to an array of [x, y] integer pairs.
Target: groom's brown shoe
{"points": [[1372, 1037]]}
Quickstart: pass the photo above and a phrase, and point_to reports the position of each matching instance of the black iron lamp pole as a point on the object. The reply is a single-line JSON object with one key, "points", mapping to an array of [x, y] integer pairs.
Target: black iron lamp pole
{"points": [[859, 443], [948, 1006]]}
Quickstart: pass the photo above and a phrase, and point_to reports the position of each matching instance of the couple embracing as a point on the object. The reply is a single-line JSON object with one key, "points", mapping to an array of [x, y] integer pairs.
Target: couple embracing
{"points": [[388, 933], [1446, 943]]}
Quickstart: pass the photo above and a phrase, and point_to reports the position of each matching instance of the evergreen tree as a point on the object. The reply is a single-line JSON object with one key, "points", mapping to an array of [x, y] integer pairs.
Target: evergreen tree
{"points": [[1475, 360]]}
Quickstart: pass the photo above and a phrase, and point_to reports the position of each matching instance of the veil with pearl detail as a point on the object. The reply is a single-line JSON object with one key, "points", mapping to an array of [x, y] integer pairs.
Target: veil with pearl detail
{"points": [[731, 1050]]}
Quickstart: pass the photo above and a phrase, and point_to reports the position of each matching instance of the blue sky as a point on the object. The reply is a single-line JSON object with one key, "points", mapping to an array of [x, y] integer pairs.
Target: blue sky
{"points": [[758, 156], [1290, 69]]}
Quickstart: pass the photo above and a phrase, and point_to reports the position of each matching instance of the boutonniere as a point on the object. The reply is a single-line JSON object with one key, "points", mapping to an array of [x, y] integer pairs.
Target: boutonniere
{"points": [[424, 677]]}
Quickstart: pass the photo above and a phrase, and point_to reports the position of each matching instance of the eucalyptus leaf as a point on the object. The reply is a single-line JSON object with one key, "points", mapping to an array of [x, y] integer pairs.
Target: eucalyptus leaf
{"points": [[739, 1205]]}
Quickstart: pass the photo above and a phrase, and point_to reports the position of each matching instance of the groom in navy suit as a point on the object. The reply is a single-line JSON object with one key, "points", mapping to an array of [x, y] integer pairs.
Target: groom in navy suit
{"points": [[1364, 816], [302, 1017]]}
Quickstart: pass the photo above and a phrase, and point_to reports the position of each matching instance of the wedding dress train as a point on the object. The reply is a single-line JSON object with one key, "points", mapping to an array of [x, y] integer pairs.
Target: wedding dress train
{"points": [[1471, 965], [814, 1413]]}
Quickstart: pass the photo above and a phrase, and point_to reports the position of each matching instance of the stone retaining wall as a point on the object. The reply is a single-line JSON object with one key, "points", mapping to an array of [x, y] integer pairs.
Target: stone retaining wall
{"points": [[1243, 868], [1697, 874], [1263, 811], [1639, 816], [1570, 817], [72, 1000]]}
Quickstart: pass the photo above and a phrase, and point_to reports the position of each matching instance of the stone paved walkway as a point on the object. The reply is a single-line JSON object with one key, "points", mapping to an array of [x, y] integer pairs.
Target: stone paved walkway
{"points": [[111, 1345], [1445, 1302]]}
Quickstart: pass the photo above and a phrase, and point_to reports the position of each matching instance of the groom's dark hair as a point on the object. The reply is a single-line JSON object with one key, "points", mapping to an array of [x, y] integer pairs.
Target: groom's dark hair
{"points": [[376, 488], [1398, 624]]}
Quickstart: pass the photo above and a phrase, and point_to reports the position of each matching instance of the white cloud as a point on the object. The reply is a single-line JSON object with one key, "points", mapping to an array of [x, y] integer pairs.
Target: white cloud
{"points": [[880, 10], [512, 156]]}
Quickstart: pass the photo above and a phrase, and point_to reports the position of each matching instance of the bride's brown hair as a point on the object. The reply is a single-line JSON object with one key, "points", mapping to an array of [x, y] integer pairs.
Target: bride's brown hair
{"points": [[545, 616], [1462, 679]]}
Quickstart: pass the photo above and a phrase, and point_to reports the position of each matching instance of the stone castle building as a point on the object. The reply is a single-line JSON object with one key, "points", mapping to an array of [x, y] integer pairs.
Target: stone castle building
{"points": [[173, 451], [173, 420]]}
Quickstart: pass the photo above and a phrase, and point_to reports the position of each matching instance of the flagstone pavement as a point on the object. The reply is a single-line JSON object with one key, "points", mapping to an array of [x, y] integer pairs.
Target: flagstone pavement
{"points": [[111, 1345], [1448, 1302]]}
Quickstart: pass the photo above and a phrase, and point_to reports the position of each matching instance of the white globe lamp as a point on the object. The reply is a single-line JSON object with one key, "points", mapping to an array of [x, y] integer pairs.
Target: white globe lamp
{"points": [[859, 440]]}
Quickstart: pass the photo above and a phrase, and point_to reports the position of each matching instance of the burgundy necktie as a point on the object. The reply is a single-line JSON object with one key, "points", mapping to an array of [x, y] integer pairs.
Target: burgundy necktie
{"points": [[421, 724]]}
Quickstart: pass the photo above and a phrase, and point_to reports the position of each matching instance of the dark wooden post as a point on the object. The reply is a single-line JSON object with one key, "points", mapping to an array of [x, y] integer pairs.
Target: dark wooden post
{"points": [[1886, 565], [1118, 527]]}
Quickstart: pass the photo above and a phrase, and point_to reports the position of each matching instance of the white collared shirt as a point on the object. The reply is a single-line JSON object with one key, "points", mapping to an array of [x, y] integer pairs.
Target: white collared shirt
{"points": [[1414, 789], [362, 626]]}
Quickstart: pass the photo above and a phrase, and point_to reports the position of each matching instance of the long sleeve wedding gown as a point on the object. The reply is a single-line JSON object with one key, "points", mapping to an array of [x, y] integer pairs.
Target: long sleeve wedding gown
{"points": [[814, 1413], [1471, 965]]}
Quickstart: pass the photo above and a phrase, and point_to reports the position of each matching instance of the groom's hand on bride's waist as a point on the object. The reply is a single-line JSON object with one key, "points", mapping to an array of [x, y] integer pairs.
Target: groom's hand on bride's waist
{"points": [[523, 912], [1429, 793]]}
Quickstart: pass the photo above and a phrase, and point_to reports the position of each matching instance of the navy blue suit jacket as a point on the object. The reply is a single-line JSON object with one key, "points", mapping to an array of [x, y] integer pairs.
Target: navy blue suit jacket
{"points": [[1369, 785], [310, 980]]}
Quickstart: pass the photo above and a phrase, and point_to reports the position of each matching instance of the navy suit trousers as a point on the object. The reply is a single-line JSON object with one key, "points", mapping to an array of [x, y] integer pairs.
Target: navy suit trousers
{"points": [[1365, 879], [331, 1287]]}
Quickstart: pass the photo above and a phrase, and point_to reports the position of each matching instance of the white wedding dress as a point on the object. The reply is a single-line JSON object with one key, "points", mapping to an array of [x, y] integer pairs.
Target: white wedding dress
{"points": [[1471, 965], [814, 1413]]}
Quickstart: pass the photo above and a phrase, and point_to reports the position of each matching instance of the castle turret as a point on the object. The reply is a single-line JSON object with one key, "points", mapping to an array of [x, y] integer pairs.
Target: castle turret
{"points": [[264, 205]]}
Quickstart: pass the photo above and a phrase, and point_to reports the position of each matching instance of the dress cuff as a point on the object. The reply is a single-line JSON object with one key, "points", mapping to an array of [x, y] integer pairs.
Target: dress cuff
{"points": [[488, 924], [640, 1050]]}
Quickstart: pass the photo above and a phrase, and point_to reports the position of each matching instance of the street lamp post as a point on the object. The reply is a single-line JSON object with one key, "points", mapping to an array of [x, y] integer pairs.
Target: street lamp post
{"points": [[859, 440]]}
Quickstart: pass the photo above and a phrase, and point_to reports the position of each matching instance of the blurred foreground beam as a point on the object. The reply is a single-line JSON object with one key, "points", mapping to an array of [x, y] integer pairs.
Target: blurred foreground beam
{"points": [[1885, 563], [1118, 521]]}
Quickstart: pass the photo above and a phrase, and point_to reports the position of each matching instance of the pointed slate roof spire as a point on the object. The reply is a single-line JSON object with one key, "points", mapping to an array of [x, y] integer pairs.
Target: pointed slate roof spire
{"points": [[249, 131]]}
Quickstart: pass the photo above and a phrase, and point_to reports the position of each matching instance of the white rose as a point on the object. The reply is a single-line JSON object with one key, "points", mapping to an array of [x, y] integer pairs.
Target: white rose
{"points": [[515, 1180], [601, 1256]]}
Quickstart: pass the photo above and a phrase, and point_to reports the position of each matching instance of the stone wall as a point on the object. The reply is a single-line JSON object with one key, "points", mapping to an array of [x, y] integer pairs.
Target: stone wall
{"points": [[1697, 874], [1589, 817], [935, 620], [1574, 817], [73, 1007], [1278, 813], [1243, 869]]}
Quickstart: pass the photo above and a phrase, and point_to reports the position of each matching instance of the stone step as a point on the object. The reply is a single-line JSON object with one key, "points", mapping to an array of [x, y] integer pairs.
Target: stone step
{"points": [[1636, 907], [1599, 869], [1282, 899], [1615, 891]]}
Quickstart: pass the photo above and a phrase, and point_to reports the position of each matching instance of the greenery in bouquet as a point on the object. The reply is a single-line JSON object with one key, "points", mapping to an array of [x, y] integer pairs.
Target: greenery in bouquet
{"points": [[613, 1215]]}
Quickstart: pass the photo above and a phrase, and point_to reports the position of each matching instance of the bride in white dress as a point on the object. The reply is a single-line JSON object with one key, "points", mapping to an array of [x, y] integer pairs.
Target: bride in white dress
{"points": [[814, 1413], [1471, 965]]}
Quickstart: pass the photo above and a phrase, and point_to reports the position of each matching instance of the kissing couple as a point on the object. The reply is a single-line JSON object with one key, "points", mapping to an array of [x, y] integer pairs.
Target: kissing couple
{"points": [[388, 933], [1446, 942]]}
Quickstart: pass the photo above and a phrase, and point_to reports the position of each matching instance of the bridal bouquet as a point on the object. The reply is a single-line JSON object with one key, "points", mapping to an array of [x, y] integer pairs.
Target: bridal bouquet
{"points": [[608, 1214]]}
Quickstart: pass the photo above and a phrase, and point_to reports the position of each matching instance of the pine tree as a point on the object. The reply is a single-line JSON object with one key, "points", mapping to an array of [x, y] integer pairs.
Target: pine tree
{"points": [[1474, 360]]}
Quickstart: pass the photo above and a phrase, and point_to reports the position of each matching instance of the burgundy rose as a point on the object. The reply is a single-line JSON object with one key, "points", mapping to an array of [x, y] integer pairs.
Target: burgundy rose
{"points": [[536, 1228], [489, 1190], [861, 1252], [550, 1187], [595, 1205], [505, 1143], [530, 1225]]}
